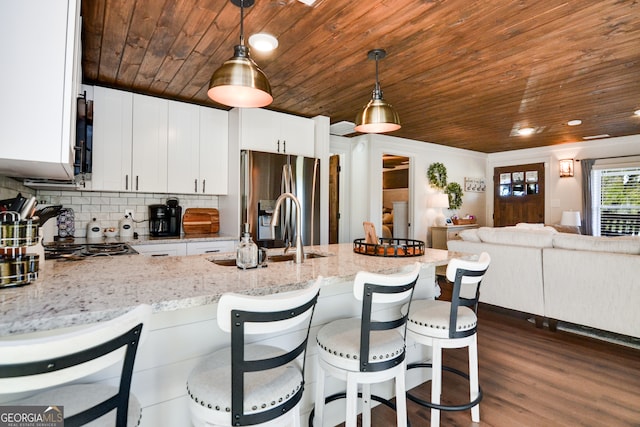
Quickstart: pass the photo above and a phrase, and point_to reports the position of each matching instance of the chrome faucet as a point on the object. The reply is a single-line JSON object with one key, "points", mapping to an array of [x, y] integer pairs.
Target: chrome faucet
{"points": [[274, 221]]}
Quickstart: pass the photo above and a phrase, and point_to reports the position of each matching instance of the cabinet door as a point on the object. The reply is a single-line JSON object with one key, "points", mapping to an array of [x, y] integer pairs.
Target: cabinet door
{"points": [[259, 130], [218, 246], [183, 142], [297, 135], [112, 127], [37, 124], [150, 144], [214, 151]]}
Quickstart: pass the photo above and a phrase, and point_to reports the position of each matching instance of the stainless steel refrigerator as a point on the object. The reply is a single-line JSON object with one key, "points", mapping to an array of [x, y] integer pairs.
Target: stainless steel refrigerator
{"points": [[263, 177]]}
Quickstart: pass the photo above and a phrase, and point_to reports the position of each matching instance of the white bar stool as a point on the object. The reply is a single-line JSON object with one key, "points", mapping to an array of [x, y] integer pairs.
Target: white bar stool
{"points": [[53, 361], [255, 384], [444, 324], [366, 351]]}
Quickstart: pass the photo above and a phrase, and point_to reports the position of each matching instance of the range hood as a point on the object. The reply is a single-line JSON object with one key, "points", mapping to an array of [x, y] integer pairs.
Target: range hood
{"points": [[54, 184]]}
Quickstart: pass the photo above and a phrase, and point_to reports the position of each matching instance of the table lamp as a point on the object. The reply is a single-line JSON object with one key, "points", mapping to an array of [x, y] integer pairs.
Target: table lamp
{"points": [[439, 201]]}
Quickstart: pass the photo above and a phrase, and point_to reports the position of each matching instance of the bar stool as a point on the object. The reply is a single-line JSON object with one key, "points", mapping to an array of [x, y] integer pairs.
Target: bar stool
{"points": [[54, 361], [444, 324], [255, 384], [366, 351]]}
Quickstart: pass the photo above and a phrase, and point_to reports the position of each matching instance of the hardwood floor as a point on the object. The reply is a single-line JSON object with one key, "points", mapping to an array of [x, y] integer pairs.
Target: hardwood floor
{"points": [[535, 377]]}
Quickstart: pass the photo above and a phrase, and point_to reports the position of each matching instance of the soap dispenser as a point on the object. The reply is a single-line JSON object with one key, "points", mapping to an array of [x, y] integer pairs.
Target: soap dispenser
{"points": [[247, 254]]}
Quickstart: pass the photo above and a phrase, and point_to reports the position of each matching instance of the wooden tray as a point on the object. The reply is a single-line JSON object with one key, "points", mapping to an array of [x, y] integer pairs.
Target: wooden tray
{"points": [[463, 221]]}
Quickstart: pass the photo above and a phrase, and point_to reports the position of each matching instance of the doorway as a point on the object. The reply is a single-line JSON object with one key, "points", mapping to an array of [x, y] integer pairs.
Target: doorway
{"points": [[395, 196], [518, 194]]}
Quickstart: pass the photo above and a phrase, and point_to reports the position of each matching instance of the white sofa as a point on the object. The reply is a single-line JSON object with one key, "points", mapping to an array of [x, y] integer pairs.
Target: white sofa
{"points": [[586, 280]]}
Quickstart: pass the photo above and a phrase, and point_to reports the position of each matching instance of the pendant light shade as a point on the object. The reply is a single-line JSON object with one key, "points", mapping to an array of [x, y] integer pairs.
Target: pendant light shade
{"points": [[239, 82], [378, 116]]}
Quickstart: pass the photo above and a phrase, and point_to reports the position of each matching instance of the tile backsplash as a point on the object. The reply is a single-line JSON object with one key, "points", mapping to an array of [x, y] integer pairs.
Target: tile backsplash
{"points": [[109, 207]]}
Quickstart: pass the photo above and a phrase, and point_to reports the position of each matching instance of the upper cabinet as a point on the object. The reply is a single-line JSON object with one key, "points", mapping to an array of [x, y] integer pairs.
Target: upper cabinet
{"points": [[197, 149], [214, 151], [129, 142], [273, 132], [148, 144], [39, 82], [150, 139], [112, 139]]}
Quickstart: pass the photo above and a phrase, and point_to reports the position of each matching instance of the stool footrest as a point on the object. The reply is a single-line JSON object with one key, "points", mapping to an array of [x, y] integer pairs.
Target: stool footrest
{"points": [[441, 407], [337, 396]]}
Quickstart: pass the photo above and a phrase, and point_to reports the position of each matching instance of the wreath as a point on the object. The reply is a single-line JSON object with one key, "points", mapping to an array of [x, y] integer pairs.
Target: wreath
{"points": [[455, 195], [437, 175]]}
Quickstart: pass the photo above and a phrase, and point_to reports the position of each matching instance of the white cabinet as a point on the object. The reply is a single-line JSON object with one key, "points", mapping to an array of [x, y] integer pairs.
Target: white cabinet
{"points": [[39, 82], [183, 148], [217, 246], [214, 151], [112, 139], [149, 168], [162, 249], [197, 149], [129, 142], [273, 132]]}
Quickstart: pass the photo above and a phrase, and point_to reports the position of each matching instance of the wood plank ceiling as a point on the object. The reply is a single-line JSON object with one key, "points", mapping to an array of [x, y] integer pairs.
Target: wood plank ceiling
{"points": [[462, 73]]}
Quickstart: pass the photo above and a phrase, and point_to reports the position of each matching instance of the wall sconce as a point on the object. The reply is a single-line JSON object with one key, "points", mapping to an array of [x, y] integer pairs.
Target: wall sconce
{"points": [[566, 168]]}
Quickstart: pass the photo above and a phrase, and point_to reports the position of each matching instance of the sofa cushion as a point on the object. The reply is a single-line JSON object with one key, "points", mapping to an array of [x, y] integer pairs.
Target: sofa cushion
{"points": [[623, 245], [470, 235], [517, 236]]}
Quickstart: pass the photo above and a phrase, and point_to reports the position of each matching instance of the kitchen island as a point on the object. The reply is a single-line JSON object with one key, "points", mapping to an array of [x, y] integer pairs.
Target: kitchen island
{"points": [[183, 292]]}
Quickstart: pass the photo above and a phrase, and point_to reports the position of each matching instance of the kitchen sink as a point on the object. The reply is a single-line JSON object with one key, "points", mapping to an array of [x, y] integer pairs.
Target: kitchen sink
{"points": [[272, 258]]}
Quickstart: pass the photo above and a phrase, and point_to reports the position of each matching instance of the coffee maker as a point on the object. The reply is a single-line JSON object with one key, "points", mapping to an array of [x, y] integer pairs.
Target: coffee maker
{"points": [[165, 220]]}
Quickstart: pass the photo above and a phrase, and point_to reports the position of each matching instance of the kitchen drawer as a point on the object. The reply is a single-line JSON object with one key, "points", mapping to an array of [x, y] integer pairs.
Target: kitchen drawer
{"points": [[162, 249], [217, 246]]}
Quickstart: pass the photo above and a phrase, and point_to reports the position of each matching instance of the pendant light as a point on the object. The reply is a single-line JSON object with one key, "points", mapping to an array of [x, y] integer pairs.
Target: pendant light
{"points": [[239, 82], [377, 116]]}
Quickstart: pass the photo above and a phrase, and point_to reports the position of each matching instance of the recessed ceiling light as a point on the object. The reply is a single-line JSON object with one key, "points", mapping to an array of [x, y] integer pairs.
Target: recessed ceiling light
{"points": [[307, 2], [574, 122], [263, 42], [637, 112], [526, 131]]}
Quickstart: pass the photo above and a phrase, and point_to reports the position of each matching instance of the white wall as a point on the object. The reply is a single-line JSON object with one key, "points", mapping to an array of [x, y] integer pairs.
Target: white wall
{"points": [[561, 194], [365, 203]]}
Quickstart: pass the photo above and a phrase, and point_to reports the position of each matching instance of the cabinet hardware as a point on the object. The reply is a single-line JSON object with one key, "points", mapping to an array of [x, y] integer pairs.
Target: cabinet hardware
{"points": [[136, 182], [212, 251], [195, 185], [204, 181], [159, 254], [126, 182]]}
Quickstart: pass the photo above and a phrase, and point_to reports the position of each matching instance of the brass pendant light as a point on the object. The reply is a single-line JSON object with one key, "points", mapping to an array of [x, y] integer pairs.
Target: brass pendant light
{"points": [[239, 82], [377, 116]]}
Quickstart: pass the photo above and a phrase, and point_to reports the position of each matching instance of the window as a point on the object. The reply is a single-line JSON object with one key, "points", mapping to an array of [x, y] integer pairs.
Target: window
{"points": [[616, 200]]}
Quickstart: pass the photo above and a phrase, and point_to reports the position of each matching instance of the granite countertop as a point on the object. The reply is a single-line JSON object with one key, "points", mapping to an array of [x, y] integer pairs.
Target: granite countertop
{"points": [[69, 293]]}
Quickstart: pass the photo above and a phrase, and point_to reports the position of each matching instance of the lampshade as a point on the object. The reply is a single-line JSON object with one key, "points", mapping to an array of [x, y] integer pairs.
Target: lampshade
{"points": [[239, 82], [440, 200], [378, 115], [571, 218]]}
